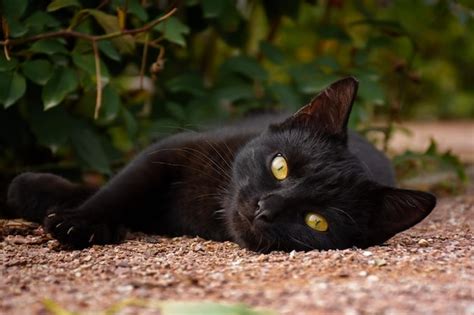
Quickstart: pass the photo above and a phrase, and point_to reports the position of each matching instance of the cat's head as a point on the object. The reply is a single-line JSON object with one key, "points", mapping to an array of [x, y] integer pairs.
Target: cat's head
{"points": [[297, 186]]}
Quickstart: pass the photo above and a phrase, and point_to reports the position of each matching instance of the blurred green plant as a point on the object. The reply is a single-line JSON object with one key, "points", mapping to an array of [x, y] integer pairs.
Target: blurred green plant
{"points": [[431, 170], [85, 84], [168, 308]]}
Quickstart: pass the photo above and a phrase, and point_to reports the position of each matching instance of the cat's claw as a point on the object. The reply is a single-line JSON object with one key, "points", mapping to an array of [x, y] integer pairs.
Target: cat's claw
{"points": [[69, 228]]}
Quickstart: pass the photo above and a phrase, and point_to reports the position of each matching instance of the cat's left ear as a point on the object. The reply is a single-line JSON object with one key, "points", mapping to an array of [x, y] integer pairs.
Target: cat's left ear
{"points": [[396, 210], [329, 110]]}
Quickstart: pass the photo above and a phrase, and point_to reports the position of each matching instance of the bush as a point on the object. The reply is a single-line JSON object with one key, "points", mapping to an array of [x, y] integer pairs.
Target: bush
{"points": [[85, 85]]}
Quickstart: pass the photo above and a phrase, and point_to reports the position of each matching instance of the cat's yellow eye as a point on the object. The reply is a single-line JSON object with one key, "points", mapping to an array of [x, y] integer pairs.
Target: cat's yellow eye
{"points": [[316, 222], [279, 167]]}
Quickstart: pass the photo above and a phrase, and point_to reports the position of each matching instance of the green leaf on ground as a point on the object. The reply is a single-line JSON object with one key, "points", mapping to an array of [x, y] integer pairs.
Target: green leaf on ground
{"points": [[62, 82], [12, 88]]}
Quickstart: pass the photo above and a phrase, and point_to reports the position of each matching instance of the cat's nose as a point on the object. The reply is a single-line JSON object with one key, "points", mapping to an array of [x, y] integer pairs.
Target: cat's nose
{"points": [[268, 208]]}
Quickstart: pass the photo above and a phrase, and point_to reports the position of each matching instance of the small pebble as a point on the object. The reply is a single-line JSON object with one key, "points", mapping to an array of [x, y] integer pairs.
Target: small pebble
{"points": [[380, 262], [367, 253], [423, 243], [372, 278]]}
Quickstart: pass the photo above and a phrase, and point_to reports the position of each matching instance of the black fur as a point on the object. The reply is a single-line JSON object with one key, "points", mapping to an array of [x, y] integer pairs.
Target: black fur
{"points": [[212, 183]]}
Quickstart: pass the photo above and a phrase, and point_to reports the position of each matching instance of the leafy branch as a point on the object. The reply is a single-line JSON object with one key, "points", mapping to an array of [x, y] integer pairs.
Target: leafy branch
{"points": [[93, 39]]}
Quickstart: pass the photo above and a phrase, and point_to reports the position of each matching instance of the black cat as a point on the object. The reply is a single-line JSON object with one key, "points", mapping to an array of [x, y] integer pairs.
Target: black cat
{"points": [[299, 183]]}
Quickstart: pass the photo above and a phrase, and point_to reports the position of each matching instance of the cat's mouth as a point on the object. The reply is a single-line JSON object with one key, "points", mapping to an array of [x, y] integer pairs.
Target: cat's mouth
{"points": [[248, 219]]}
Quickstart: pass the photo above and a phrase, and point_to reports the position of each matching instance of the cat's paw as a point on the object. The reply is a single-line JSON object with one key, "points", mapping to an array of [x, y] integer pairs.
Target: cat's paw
{"points": [[69, 228]]}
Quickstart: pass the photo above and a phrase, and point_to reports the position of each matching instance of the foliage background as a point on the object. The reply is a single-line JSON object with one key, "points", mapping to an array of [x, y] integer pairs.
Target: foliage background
{"points": [[215, 61]]}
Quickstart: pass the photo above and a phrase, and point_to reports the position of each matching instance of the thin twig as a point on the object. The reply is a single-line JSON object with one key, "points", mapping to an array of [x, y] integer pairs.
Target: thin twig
{"points": [[70, 33], [98, 100]]}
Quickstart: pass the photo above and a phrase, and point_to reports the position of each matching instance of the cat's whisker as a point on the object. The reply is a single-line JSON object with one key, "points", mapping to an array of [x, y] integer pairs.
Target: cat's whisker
{"points": [[220, 170], [220, 155], [300, 242], [188, 167]]}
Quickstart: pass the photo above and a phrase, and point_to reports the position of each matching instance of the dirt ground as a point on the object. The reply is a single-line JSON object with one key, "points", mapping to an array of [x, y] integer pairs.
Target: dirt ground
{"points": [[428, 269]]}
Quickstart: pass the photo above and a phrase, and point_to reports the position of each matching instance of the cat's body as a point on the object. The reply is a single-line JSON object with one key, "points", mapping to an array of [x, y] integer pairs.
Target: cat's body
{"points": [[219, 185]]}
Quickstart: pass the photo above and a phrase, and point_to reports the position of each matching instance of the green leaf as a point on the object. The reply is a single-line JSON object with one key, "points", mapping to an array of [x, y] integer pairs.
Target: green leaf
{"points": [[274, 9], [285, 95], [130, 123], [38, 71], [49, 47], [188, 83], [17, 29], [14, 8], [309, 80], [12, 88], [176, 111], [62, 82], [89, 150], [334, 32], [86, 62], [109, 50], [110, 104], [51, 128], [235, 92], [7, 65], [246, 66], [173, 30], [212, 8], [370, 89], [135, 8], [59, 4], [109, 23], [271, 52], [208, 308], [40, 21]]}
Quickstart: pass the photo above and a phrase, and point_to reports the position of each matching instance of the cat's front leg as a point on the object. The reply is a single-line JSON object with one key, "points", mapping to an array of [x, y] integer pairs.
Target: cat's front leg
{"points": [[102, 218], [71, 227]]}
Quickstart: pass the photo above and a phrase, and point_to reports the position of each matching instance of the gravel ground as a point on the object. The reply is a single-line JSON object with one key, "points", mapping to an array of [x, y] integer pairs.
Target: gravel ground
{"points": [[426, 270]]}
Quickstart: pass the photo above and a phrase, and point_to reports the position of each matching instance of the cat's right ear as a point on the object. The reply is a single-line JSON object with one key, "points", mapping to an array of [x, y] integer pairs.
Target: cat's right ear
{"points": [[329, 110]]}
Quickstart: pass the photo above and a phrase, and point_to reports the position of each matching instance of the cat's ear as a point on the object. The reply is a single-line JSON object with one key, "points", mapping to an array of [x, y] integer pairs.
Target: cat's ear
{"points": [[330, 109], [397, 210]]}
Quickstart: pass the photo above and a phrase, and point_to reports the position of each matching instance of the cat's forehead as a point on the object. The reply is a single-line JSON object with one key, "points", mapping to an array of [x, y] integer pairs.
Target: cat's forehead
{"points": [[296, 143]]}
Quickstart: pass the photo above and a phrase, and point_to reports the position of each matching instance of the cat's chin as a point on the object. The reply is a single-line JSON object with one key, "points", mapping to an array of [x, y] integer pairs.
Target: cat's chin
{"points": [[251, 234]]}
